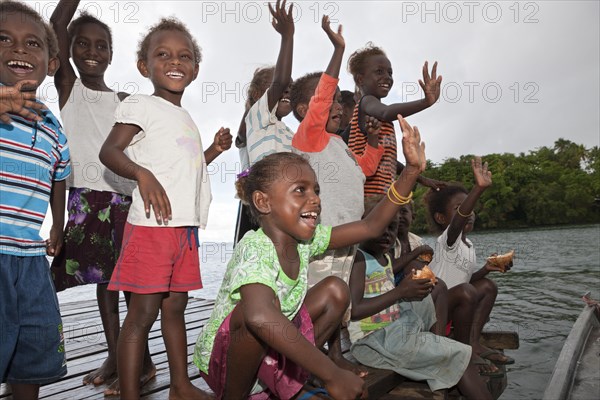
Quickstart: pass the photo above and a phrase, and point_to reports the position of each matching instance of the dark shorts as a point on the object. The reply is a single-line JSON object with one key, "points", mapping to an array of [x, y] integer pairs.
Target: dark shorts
{"points": [[157, 260], [93, 238], [32, 350], [281, 376]]}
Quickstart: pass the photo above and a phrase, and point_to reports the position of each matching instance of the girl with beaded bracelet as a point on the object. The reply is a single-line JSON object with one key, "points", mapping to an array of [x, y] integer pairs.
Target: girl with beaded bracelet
{"points": [[471, 295]]}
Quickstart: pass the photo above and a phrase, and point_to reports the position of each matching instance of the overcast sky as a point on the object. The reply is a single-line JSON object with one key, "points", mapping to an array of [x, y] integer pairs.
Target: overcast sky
{"points": [[517, 75]]}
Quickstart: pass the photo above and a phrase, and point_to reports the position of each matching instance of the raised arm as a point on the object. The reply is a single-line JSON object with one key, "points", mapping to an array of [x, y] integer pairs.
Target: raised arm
{"points": [[483, 180], [112, 155], [312, 135], [64, 79], [283, 22], [339, 44], [431, 85], [373, 225]]}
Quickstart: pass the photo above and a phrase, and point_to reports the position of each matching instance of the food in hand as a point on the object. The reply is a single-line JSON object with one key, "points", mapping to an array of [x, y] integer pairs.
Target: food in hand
{"points": [[502, 260], [425, 273], [425, 257]]}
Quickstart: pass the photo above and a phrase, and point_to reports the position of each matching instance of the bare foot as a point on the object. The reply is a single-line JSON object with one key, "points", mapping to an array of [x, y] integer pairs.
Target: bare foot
{"points": [[188, 392], [346, 364], [148, 373], [107, 371]]}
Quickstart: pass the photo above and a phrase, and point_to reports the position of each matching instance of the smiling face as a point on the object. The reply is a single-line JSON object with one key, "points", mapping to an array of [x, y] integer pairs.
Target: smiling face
{"points": [[24, 51], [335, 113], [284, 106], [293, 201], [90, 49], [376, 79], [170, 64]]}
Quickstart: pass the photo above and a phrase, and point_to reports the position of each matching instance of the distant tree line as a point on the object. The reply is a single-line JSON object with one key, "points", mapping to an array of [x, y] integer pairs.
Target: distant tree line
{"points": [[547, 186]]}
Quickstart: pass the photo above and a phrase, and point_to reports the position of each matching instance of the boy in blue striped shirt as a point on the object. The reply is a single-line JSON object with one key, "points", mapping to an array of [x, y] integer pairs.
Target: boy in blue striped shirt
{"points": [[34, 163]]}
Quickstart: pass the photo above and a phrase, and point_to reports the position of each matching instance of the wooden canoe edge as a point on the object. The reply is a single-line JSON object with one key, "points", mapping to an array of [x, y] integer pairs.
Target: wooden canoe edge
{"points": [[564, 370]]}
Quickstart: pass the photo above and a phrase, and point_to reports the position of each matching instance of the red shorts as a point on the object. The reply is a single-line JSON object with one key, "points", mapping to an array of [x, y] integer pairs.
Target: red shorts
{"points": [[283, 378], [157, 260]]}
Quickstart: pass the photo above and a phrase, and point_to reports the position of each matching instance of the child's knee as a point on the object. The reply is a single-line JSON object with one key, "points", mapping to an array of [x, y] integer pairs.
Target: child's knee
{"points": [[337, 291], [467, 293], [488, 287]]}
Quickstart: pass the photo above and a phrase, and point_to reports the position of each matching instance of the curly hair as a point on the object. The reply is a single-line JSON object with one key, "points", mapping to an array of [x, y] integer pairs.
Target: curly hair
{"points": [[437, 201], [262, 175], [12, 7], [87, 18], [357, 60], [167, 24], [302, 90], [261, 80]]}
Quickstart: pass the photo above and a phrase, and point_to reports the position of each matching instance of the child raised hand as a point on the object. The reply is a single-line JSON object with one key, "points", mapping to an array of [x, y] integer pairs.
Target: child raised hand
{"points": [[18, 100], [412, 147], [336, 37], [283, 21], [431, 84]]}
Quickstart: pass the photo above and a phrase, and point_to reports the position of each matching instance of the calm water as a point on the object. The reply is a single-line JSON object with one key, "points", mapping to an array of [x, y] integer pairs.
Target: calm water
{"points": [[540, 298]]}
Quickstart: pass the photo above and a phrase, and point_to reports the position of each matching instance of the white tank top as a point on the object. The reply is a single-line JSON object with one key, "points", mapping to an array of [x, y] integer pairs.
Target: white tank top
{"points": [[88, 117]]}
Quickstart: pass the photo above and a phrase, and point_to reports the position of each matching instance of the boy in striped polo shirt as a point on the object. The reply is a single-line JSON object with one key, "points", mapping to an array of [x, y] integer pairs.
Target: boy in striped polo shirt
{"points": [[34, 163]]}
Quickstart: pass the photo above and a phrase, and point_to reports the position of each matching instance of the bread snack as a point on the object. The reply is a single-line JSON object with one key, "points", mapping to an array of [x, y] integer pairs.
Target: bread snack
{"points": [[425, 257], [502, 260], [425, 273]]}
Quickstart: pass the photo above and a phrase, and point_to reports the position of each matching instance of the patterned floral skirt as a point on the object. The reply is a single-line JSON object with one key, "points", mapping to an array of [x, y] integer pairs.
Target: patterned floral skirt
{"points": [[92, 239]]}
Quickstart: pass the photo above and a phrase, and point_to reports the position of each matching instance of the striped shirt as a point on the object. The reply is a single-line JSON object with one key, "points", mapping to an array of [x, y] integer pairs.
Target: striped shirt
{"points": [[379, 182], [266, 134], [32, 156]]}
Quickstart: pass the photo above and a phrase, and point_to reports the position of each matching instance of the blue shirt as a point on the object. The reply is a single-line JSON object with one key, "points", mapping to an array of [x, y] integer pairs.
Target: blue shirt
{"points": [[32, 156]]}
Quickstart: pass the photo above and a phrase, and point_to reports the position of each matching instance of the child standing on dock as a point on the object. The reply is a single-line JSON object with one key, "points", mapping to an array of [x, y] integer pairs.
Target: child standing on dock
{"points": [[98, 204], [267, 324], [262, 132], [34, 163], [159, 260], [372, 72], [391, 324], [471, 295]]}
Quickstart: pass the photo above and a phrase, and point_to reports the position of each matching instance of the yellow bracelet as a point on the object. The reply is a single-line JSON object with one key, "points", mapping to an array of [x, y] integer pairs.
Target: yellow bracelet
{"points": [[400, 198], [395, 202], [463, 215], [399, 201]]}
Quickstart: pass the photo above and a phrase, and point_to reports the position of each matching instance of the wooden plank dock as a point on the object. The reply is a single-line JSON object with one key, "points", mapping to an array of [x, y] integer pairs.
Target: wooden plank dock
{"points": [[86, 351]]}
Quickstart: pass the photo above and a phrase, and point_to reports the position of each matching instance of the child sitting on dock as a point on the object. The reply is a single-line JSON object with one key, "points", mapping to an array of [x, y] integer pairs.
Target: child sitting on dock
{"points": [[471, 295], [34, 163], [266, 323], [390, 327], [159, 262], [261, 131], [315, 102]]}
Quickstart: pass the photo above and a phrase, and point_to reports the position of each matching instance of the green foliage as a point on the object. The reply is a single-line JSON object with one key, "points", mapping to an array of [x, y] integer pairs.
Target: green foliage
{"points": [[547, 186]]}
